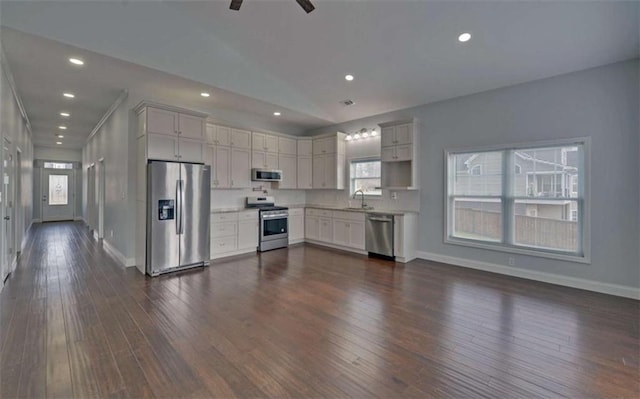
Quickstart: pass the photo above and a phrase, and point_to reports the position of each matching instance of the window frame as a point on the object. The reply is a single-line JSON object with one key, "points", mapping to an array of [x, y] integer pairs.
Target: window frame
{"points": [[507, 245], [351, 178]]}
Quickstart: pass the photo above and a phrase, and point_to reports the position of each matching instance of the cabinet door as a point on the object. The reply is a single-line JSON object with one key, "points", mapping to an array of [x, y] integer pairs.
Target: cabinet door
{"points": [[388, 136], [271, 143], [388, 154], [272, 160], [311, 227], [326, 230], [240, 168], [257, 142], [331, 171], [356, 235], [404, 134], [287, 146], [318, 172], [223, 245], [224, 229], [305, 173], [222, 158], [248, 234], [210, 133], [404, 152], [341, 232], [222, 135], [296, 227], [305, 147], [319, 147], [241, 138], [162, 147], [161, 121], [191, 126], [288, 165], [258, 159], [191, 150]]}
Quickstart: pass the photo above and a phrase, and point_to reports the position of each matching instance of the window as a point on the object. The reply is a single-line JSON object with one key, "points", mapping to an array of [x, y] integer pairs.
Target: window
{"points": [[538, 207], [58, 190], [365, 176], [58, 165]]}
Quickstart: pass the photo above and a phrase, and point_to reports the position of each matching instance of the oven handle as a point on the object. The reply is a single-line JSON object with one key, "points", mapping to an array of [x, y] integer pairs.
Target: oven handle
{"points": [[274, 217]]}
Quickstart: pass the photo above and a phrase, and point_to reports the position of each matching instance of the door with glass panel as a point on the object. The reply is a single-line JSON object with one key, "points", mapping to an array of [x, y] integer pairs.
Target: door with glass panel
{"points": [[57, 195]]}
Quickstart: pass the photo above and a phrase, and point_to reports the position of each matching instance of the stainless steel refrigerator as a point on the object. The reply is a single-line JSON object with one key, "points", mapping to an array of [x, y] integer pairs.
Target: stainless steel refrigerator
{"points": [[178, 196]]}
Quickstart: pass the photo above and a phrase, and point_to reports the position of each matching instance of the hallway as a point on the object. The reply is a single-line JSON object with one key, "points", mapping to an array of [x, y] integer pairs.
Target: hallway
{"points": [[302, 322]]}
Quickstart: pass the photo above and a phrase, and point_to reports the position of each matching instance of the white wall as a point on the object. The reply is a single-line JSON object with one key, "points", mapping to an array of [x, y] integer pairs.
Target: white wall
{"points": [[15, 136], [601, 103], [57, 154]]}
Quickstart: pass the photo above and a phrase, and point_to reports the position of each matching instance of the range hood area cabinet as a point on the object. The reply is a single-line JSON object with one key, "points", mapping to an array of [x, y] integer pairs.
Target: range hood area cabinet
{"points": [[399, 143], [328, 161]]}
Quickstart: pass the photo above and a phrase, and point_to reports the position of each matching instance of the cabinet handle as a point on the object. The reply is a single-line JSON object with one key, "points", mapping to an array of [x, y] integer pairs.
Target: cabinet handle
{"points": [[232, 182], [232, 143]]}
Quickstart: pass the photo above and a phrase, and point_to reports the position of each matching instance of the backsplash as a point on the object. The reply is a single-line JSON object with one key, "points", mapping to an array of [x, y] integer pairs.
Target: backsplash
{"points": [[236, 198], [405, 201]]}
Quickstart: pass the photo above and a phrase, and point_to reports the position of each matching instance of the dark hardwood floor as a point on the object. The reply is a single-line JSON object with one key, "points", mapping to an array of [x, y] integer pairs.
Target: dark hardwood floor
{"points": [[302, 322]]}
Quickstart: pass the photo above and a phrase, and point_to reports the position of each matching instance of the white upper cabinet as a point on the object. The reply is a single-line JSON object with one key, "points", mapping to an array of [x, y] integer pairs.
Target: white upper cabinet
{"points": [[161, 121], [162, 147], [305, 147], [288, 165], [264, 142], [240, 168], [397, 135], [191, 127], [218, 135], [399, 154], [220, 167], [264, 160], [305, 172], [287, 146], [241, 138], [191, 150], [329, 162]]}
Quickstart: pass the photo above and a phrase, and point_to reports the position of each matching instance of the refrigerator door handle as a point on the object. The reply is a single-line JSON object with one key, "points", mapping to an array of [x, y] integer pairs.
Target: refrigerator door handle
{"points": [[178, 206], [181, 182]]}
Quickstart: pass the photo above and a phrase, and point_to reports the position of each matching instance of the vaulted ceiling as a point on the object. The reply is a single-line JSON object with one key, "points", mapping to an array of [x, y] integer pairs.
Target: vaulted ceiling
{"points": [[402, 53]]}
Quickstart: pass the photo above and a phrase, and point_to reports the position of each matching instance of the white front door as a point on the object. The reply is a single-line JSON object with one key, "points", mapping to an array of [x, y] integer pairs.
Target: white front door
{"points": [[57, 195], [7, 212]]}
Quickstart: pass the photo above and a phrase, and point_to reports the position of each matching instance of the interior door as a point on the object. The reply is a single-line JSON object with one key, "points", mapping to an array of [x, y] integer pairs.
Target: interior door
{"points": [[7, 211], [194, 214], [57, 198]]}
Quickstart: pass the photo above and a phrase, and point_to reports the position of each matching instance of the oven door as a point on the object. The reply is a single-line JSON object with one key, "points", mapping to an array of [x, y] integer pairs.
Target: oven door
{"points": [[273, 227]]}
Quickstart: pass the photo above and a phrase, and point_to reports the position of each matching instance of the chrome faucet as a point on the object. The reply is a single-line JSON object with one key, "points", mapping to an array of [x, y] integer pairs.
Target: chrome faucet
{"points": [[361, 193]]}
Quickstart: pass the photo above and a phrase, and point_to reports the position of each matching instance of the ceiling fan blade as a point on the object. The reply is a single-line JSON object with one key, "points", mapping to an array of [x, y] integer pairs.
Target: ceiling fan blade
{"points": [[235, 4], [306, 5]]}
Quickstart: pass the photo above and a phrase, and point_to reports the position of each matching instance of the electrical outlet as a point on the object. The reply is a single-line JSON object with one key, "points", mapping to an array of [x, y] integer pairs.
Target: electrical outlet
{"points": [[394, 195], [512, 261], [111, 233]]}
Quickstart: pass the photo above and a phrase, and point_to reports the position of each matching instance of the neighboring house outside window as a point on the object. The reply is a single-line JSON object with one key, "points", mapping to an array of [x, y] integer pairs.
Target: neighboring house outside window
{"points": [[538, 206], [365, 175]]}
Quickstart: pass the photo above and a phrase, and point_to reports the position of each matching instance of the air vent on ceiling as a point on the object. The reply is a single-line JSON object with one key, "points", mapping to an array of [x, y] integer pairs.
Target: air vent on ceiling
{"points": [[346, 103]]}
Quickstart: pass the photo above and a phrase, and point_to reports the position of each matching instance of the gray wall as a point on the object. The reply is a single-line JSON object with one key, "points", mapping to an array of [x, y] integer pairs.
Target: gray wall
{"points": [[57, 154], [13, 127], [601, 103]]}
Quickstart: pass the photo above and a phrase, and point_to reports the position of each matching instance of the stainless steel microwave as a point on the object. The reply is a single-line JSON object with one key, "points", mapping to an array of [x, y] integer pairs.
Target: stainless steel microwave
{"points": [[266, 174]]}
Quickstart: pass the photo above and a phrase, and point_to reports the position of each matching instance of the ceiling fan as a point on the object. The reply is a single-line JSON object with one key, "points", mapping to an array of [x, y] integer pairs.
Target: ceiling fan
{"points": [[305, 4]]}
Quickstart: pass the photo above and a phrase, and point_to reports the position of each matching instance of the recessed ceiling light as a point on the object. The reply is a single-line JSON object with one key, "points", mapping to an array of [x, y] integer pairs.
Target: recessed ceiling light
{"points": [[62, 127], [349, 77], [464, 37], [76, 61], [58, 142], [205, 94], [65, 114], [60, 136], [68, 95], [276, 113]]}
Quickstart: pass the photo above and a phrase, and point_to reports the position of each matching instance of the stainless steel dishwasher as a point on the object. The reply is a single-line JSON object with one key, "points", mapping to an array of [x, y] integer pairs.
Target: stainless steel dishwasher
{"points": [[379, 234]]}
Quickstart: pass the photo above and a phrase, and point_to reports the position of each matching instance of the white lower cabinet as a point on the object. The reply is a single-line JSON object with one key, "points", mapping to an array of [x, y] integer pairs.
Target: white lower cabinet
{"points": [[296, 225], [233, 233], [326, 230], [348, 229], [311, 226]]}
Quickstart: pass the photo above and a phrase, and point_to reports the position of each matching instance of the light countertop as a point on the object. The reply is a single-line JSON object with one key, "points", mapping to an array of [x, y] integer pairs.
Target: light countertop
{"points": [[327, 207]]}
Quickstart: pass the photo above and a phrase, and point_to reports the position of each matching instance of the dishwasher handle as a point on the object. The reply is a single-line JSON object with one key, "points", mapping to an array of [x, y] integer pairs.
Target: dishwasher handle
{"points": [[381, 220]]}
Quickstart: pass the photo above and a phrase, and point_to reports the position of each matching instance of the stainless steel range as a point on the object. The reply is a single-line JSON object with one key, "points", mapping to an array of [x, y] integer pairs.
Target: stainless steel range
{"points": [[274, 223]]}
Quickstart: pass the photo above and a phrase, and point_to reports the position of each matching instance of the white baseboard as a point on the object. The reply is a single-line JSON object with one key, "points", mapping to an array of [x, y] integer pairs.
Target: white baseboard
{"points": [[340, 247], [573, 282], [36, 221], [127, 262], [233, 253], [78, 219], [25, 236]]}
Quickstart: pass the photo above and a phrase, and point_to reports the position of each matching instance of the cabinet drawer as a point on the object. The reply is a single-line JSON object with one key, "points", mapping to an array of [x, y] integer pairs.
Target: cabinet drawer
{"points": [[224, 244], [353, 216], [224, 229], [319, 212], [312, 212], [224, 217], [248, 215], [296, 212]]}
